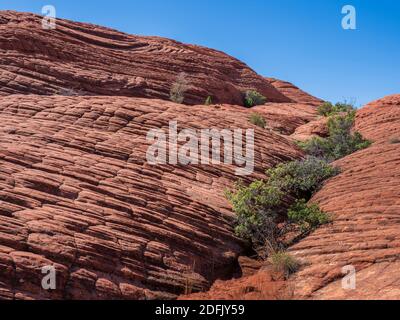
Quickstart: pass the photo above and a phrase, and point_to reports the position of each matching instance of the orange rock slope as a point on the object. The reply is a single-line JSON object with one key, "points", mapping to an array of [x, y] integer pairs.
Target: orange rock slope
{"points": [[76, 192], [295, 93], [84, 59], [364, 201], [364, 235]]}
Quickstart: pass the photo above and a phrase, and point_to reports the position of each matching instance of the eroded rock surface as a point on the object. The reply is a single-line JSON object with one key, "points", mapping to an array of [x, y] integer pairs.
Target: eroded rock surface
{"points": [[84, 59], [364, 201], [286, 117], [379, 120], [296, 94], [77, 193], [315, 128]]}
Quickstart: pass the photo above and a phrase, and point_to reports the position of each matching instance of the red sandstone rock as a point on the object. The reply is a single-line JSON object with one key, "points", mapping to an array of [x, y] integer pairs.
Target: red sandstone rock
{"points": [[76, 192], [364, 202], [379, 120], [84, 59], [286, 117], [294, 93], [316, 128], [262, 285]]}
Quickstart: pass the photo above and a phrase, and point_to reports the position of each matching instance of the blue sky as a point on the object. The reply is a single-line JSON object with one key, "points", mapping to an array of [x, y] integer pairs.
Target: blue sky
{"points": [[299, 41]]}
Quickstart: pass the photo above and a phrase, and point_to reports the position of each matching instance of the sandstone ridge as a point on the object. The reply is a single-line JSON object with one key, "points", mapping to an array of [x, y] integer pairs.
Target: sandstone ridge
{"points": [[85, 59]]}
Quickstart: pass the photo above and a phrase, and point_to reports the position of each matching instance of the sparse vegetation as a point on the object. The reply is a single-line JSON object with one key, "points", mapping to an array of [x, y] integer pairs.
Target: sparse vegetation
{"points": [[284, 262], [394, 140], [340, 142], [260, 205], [301, 178], [267, 209], [208, 101], [258, 120], [256, 208], [179, 88], [307, 216], [253, 98], [328, 109], [69, 92]]}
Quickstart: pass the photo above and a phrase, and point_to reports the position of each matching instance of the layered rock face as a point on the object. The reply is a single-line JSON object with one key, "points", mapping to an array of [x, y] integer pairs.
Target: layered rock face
{"points": [[365, 233], [286, 117], [77, 193], [379, 120], [84, 59], [295, 93]]}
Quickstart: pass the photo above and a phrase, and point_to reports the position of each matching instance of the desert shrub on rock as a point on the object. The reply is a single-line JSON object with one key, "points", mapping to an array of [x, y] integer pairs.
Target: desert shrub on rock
{"points": [[340, 142], [179, 88], [307, 216], [256, 207], [260, 206], [284, 262], [258, 120], [253, 98], [328, 109], [301, 178], [208, 101]]}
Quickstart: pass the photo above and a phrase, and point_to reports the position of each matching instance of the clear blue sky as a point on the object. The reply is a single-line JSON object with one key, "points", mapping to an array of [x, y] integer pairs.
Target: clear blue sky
{"points": [[301, 41]]}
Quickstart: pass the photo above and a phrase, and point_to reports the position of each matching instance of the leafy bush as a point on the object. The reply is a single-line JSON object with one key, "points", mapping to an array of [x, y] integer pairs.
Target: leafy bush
{"points": [[308, 216], [340, 142], [253, 98], [343, 107], [394, 140], [208, 101], [301, 178], [256, 208], [284, 262], [258, 120], [328, 109], [317, 147], [325, 109], [179, 88]]}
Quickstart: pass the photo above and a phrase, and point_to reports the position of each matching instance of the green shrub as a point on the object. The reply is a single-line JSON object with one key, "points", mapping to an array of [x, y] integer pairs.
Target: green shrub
{"points": [[256, 208], [343, 107], [253, 98], [284, 262], [316, 147], [301, 178], [328, 109], [307, 216], [208, 101], [258, 120], [325, 109], [394, 140], [340, 142], [179, 88], [258, 205]]}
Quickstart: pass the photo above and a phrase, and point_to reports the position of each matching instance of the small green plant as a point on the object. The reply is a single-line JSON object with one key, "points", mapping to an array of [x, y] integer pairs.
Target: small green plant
{"points": [[256, 207], [328, 109], [208, 101], [394, 140], [259, 205], [325, 109], [258, 120], [301, 178], [284, 262], [179, 88], [253, 98], [340, 142], [307, 216]]}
